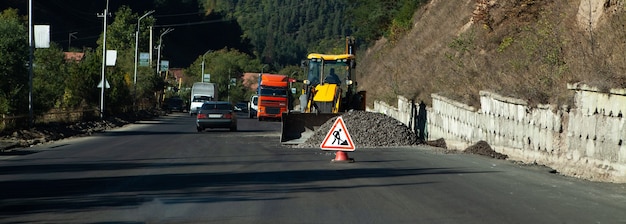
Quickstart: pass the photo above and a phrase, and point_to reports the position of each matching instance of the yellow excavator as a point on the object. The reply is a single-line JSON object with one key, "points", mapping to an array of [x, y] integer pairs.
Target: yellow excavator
{"points": [[329, 89]]}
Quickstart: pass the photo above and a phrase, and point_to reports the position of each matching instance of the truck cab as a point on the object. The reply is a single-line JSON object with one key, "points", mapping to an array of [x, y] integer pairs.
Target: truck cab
{"points": [[196, 103], [273, 93]]}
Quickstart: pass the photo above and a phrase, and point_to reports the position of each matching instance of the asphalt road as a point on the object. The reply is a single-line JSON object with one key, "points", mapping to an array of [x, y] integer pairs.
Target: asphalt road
{"points": [[163, 171]]}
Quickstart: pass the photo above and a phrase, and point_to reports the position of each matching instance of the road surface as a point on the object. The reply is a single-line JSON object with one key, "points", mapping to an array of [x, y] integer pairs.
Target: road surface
{"points": [[163, 171]]}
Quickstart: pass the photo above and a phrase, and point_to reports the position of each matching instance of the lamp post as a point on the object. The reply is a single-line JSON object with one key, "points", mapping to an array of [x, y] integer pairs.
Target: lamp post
{"points": [[158, 67], [137, 44], [202, 70], [136, 58]]}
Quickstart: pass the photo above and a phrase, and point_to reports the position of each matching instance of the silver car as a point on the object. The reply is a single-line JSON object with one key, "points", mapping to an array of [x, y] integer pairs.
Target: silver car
{"points": [[216, 114]]}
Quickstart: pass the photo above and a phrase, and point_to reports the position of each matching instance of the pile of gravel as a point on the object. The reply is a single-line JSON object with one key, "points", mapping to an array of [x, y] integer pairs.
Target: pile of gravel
{"points": [[367, 130]]}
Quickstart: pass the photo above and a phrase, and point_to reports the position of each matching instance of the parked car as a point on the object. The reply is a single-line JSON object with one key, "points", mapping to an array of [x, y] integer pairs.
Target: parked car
{"points": [[241, 107], [216, 114], [174, 104]]}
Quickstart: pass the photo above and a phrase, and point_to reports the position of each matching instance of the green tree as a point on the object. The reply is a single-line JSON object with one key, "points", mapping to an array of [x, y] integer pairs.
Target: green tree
{"points": [[48, 78], [82, 81], [13, 55], [224, 65], [121, 37]]}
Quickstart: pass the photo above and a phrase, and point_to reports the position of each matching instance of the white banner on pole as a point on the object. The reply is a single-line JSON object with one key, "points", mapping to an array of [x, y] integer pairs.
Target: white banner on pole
{"points": [[111, 57], [42, 36]]}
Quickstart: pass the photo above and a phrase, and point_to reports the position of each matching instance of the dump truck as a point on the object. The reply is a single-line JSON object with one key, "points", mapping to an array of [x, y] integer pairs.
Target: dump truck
{"points": [[273, 93], [330, 89], [200, 93]]}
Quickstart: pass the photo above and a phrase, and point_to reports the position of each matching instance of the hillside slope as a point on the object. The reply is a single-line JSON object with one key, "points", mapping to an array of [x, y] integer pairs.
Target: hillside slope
{"points": [[521, 48]]}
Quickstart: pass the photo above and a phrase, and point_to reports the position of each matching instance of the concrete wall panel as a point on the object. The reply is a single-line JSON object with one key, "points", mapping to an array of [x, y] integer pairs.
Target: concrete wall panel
{"points": [[585, 141]]}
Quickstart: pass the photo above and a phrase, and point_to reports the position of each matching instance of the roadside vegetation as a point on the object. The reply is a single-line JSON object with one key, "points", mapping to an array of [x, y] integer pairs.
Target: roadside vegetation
{"points": [[295, 28], [519, 48]]}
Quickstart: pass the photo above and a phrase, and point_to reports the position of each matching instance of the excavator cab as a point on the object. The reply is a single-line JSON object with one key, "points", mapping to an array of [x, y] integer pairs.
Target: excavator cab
{"points": [[329, 81]]}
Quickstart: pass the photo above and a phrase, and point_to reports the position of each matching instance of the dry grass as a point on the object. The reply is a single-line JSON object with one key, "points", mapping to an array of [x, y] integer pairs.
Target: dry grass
{"points": [[523, 48]]}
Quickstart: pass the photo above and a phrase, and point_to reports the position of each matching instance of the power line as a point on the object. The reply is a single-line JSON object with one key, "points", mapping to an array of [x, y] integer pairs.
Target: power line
{"points": [[193, 23], [180, 14]]}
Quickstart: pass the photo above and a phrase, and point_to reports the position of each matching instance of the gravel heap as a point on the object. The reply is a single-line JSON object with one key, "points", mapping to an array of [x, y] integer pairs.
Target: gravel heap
{"points": [[367, 129]]}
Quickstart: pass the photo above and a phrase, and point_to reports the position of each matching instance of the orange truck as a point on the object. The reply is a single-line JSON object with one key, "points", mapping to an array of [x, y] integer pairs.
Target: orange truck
{"points": [[273, 92]]}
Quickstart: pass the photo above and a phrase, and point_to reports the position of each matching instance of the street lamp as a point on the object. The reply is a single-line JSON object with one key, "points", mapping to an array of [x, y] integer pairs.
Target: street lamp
{"points": [[158, 67], [136, 53], [137, 44], [202, 75]]}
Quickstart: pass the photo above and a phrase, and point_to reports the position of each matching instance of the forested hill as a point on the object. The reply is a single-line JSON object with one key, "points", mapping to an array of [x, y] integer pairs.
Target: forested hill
{"points": [[283, 31], [280, 32]]}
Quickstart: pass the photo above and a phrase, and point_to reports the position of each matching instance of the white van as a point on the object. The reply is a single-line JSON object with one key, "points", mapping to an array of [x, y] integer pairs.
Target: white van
{"points": [[253, 106]]}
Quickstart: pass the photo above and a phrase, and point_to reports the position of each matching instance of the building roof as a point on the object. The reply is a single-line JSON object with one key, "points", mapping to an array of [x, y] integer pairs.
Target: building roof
{"points": [[74, 56]]}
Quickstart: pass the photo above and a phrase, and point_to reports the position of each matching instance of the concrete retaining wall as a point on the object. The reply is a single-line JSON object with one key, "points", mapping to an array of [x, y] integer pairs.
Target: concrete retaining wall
{"points": [[585, 141]]}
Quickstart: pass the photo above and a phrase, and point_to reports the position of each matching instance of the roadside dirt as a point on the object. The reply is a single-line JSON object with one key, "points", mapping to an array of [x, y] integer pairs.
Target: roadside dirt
{"points": [[55, 131]]}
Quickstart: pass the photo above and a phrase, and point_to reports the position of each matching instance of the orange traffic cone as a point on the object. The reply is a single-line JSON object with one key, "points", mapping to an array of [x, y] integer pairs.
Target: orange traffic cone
{"points": [[341, 156]]}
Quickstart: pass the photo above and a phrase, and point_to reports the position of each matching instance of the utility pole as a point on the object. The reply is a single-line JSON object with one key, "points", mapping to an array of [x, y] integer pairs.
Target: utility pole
{"points": [[31, 49], [151, 46], [104, 57]]}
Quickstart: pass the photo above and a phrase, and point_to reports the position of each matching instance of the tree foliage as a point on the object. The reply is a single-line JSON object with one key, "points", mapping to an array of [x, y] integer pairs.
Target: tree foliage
{"points": [[284, 31], [281, 33], [224, 65], [13, 57], [121, 38], [49, 78]]}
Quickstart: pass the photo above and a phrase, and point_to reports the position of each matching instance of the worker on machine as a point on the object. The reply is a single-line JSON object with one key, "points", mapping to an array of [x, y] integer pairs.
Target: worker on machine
{"points": [[332, 78]]}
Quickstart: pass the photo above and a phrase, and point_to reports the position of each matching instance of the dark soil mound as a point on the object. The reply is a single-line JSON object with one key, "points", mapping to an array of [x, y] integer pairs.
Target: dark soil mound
{"points": [[440, 143], [483, 148]]}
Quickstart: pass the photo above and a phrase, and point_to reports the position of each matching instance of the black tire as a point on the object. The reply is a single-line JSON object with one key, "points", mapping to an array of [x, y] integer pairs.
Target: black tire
{"points": [[200, 129]]}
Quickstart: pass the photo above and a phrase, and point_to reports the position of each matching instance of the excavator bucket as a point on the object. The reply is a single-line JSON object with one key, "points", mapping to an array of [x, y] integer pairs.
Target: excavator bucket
{"points": [[298, 127]]}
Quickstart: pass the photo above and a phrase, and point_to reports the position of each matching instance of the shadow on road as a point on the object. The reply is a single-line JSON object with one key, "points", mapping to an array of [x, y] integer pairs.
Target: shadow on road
{"points": [[66, 195]]}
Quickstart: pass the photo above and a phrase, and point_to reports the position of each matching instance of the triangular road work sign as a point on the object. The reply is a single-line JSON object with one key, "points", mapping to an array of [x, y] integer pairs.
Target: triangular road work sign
{"points": [[106, 82], [338, 138]]}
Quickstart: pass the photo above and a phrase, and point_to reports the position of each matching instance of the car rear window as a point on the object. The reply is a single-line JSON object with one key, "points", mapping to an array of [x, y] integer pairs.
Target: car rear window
{"points": [[216, 106]]}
